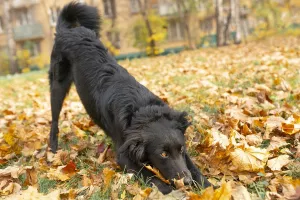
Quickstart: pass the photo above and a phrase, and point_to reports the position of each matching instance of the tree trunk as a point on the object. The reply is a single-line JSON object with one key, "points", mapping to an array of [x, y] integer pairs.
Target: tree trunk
{"points": [[226, 33], [114, 13], [219, 22], [10, 38], [184, 20], [143, 12], [236, 15]]}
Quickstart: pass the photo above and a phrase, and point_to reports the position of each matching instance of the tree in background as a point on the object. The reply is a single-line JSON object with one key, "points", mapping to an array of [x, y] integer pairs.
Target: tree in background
{"points": [[150, 30], [10, 39], [228, 15], [185, 9], [143, 7], [142, 39], [220, 23], [235, 13]]}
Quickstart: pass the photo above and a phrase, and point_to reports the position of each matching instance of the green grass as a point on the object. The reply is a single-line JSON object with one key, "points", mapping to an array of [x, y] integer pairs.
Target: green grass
{"points": [[294, 170], [265, 144], [259, 188], [73, 182], [45, 185], [30, 76], [100, 195]]}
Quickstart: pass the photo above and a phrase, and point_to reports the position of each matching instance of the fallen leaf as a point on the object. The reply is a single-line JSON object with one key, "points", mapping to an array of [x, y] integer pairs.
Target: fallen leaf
{"points": [[208, 194], [108, 175], [70, 168], [32, 194], [240, 193], [224, 192], [157, 173], [250, 159], [277, 163], [102, 155], [31, 177]]}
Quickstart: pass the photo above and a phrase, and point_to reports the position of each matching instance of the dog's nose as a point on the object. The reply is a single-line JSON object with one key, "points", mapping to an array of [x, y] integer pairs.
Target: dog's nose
{"points": [[187, 180]]}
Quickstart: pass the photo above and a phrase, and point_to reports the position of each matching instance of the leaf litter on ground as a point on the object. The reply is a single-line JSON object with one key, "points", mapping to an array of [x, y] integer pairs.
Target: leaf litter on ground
{"points": [[244, 104]]}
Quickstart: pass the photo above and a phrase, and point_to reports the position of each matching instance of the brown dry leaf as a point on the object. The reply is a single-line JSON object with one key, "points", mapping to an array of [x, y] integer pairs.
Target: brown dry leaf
{"points": [[254, 139], [250, 159], [70, 168], [13, 171], [246, 130], [102, 155], [289, 186], [277, 163], [157, 195], [239, 192], [276, 143], [218, 138], [57, 174], [157, 174], [31, 177], [7, 187]]}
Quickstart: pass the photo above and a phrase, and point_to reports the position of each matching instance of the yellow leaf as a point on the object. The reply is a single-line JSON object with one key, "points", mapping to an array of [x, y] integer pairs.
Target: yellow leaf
{"points": [[250, 159], [290, 128], [123, 195], [108, 175], [224, 192], [78, 132], [208, 194], [9, 138], [157, 174]]}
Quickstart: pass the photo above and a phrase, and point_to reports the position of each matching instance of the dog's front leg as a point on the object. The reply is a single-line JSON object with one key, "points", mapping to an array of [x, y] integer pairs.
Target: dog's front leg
{"points": [[196, 174], [131, 167]]}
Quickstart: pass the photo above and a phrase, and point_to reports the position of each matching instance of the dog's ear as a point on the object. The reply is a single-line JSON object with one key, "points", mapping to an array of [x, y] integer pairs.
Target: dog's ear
{"points": [[135, 149], [182, 122]]}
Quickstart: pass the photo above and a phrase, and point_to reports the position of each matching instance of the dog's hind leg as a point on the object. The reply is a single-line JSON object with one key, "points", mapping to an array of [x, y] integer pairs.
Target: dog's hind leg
{"points": [[60, 82], [196, 174]]}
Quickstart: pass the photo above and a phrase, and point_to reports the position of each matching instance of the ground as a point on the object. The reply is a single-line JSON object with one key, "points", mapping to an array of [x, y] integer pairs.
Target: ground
{"points": [[243, 102]]}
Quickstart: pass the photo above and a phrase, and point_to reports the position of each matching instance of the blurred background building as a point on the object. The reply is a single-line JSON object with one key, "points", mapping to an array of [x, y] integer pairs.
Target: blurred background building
{"points": [[133, 28]]}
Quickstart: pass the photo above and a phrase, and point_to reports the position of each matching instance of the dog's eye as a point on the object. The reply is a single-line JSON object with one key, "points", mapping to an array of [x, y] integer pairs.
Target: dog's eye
{"points": [[181, 149], [164, 154]]}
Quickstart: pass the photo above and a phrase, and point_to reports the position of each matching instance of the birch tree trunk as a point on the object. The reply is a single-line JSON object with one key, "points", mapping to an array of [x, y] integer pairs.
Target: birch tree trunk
{"points": [[235, 13], [10, 38], [220, 22]]}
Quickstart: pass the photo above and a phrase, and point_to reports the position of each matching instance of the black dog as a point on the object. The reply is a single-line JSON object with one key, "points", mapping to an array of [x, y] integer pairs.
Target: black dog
{"points": [[145, 130]]}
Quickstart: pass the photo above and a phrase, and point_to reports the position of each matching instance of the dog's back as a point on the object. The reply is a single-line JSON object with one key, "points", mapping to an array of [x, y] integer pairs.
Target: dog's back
{"points": [[108, 92]]}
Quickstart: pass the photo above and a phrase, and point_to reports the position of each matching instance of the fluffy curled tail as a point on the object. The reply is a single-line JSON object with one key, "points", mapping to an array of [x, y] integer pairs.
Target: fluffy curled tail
{"points": [[76, 14]]}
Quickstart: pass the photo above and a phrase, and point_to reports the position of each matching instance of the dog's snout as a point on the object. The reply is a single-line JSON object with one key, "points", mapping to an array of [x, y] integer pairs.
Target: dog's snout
{"points": [[187, 180]]}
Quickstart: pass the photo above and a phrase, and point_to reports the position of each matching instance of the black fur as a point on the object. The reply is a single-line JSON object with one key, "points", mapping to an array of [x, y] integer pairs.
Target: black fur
{"points": [[140, 124]]}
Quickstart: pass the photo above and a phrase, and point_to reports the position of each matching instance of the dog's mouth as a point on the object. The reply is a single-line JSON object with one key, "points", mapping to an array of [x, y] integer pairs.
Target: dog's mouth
{"points": [[176, 183], [157, 173]]}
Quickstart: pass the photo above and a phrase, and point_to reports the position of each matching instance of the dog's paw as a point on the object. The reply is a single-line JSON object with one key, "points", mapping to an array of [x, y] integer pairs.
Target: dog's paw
{"points": [[53, 139]]}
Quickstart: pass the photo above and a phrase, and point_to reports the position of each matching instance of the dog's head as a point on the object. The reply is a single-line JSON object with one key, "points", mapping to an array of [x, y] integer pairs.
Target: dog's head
{"points": [[156, 137]]}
